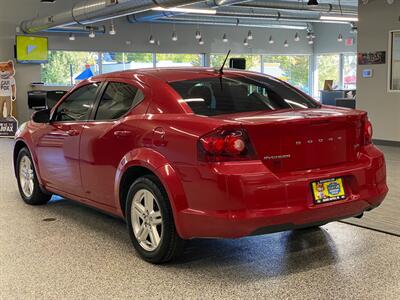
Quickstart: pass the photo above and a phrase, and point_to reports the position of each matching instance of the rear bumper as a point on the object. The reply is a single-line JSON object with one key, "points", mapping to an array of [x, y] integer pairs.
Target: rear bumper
{"points": [[246, 199]]}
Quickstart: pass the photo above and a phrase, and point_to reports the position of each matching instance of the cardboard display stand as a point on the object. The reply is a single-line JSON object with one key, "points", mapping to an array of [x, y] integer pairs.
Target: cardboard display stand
{"points": [[8, 96]]}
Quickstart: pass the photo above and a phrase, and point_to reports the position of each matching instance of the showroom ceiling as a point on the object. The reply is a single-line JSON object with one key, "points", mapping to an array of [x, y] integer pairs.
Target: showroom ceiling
{"points": [[284, 13]]}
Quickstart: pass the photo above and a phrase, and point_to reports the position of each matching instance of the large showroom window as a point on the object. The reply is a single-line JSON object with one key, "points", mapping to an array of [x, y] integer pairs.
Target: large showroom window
{"points": [[253, 62], [349, 71], [394, 69], [64, 66], [120, 61], [294, 69], [328, 67], [178, 60]]}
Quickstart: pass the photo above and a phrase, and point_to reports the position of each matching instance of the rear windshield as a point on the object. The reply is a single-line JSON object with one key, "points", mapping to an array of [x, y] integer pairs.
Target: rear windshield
{"points": [[236, 94]]}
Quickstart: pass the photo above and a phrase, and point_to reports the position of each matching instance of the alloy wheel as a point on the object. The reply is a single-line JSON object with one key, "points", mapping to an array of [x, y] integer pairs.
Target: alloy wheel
{"points": [[26, 176], [146, 220]]}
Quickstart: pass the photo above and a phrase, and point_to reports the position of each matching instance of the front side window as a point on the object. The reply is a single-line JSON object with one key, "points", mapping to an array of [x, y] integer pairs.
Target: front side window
{"points": [[117, 100], [236, 94], [78, 105]]}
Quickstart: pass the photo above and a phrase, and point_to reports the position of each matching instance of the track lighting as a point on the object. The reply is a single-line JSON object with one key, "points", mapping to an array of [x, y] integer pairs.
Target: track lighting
{"points": [[225, 38], [245, 42], [198, 35], [286, 44], [340, 38], [201, 42], [71, 37], [271, 40], [92, 34], [152, 40], [174, 37], [297, 37], [249, 35], [112, 30]]}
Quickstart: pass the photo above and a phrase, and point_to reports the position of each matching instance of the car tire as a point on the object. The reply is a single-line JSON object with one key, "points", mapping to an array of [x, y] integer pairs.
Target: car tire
{"points": [[28, 183], [150, 221]]}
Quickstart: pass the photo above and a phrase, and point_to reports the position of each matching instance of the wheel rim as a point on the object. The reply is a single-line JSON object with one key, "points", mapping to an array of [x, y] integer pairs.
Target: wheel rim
{"points": [[146, 220], [26, 176]]}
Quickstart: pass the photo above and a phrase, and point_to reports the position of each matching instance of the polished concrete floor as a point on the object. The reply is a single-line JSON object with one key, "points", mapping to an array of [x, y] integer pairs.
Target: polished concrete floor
{"points": [[386, 217], [65, 250]]}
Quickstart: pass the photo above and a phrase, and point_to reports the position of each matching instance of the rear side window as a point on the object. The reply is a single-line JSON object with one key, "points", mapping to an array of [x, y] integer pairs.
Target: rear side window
{"points": [[78, 105], [117, 100], [236, 94]]}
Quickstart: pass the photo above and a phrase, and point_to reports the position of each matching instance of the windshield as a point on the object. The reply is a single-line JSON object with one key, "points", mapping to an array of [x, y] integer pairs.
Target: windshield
{"points": [[236, 94]]}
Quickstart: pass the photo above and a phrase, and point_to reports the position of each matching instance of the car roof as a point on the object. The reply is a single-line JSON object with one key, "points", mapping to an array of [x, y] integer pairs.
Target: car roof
{"points": [[174, 74]]}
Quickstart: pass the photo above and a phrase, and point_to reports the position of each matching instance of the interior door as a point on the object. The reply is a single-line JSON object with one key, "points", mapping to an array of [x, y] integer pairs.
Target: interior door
{"points": [[58, 146], [109, 136]]}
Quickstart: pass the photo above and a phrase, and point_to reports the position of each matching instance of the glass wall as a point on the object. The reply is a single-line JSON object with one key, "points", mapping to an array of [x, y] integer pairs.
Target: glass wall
{"points": [[120, 61], [178, 60], [394, 68], [349, 71], [328, 67], [253, 62], [294, 69], [64, 66]]}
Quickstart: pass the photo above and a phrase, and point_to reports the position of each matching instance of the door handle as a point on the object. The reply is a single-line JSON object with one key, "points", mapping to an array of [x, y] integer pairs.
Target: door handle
{"points": [[73, 132], [159, 131], [122, 133]]}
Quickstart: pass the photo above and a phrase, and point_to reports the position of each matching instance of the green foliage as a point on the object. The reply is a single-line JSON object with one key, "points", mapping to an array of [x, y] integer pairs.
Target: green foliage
{"points": [[296, 68], [328, 69], [253, 62], [121, 57], [57, 70], [193, 59]]}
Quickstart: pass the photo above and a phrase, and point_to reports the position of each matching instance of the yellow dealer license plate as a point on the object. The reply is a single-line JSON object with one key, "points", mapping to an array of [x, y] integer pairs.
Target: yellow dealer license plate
{"points": [[328, 190]]}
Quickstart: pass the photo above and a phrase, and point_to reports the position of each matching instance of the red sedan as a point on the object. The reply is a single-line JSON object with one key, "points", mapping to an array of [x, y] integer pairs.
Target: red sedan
{"points": [[191, 153]]}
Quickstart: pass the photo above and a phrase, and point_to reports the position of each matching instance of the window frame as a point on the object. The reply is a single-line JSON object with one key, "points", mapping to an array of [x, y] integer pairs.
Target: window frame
{"points": [[55, 108], [101, 94], [390, 88]]}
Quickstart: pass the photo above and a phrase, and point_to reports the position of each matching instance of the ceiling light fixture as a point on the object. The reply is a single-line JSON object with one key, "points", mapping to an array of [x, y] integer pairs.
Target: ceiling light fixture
{"points": [[271, 40], [340, 38], [225, 38], [245, 42], [249, 35], [339, 18], [187, 10], [297, 37], [312, 2], [151, 39], [174, 37], [92, 34], [71, 37], [201, 42], [112, 30], [286, 44], [198, 35], [311, 42]]}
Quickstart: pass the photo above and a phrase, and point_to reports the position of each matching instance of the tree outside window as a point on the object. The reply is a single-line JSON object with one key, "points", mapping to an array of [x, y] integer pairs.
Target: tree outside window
{"points": [[291, 68], [64, 66]]}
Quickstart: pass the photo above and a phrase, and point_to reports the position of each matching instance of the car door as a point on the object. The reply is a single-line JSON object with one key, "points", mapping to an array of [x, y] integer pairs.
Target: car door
{"points": [[110, 135], [58, 144]]}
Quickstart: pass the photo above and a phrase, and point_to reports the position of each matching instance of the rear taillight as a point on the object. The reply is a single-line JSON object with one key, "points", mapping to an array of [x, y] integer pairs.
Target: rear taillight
{"points": [[225, 145], [367, 132]]}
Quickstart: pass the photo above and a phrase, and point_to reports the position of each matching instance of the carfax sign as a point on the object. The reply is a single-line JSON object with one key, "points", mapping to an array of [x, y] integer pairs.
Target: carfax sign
{"points": [[8, 95]]}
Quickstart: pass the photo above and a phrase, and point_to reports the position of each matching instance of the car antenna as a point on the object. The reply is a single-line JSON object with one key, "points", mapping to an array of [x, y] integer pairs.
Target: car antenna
{"points": [[221, 70]]}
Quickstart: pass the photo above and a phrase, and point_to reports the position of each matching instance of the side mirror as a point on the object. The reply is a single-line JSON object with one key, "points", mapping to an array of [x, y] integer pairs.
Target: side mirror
{"points": [[41, 116]]}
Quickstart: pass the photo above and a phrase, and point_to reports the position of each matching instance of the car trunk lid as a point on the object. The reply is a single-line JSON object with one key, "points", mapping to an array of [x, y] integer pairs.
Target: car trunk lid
{"points": [[294, 140]]}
